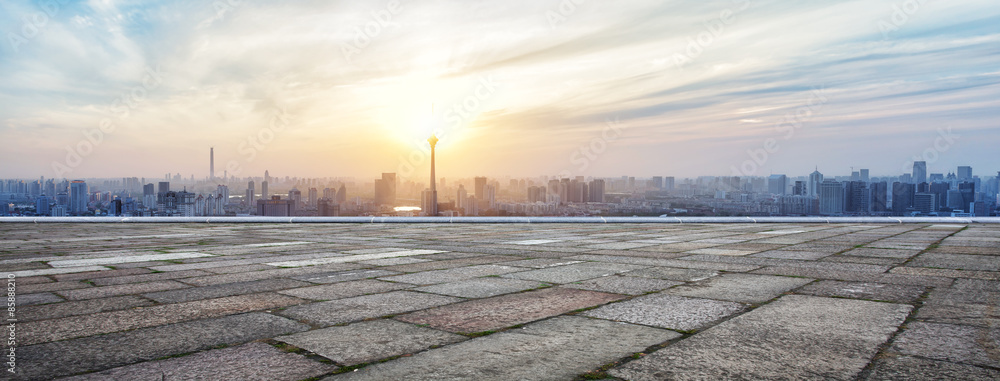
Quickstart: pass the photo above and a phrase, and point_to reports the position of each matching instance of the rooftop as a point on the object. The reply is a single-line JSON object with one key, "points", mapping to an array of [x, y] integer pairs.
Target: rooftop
{"points": [[369, 301]]}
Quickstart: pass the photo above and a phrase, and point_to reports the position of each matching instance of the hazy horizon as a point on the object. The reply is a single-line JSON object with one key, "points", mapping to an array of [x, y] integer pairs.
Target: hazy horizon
{"points": [[684, 89]]}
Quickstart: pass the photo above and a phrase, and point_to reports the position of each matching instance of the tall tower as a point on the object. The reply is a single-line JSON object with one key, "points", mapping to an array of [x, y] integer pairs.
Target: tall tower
{"points": [[433, 207], [211, 163]]}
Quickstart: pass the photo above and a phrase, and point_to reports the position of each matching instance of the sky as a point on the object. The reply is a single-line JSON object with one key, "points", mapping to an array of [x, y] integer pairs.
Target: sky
{"points": [[113, 88]]}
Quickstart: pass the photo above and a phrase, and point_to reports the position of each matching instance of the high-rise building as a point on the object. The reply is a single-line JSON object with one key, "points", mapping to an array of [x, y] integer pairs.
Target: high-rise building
{"points": [[864, 175], [313, 197], [879, 197], [490, 196], [919, 172], [777, 184], [251, 194], [295, 197], [385, 190], [668, 183], [964, 173], [656, 182], [263, 190], [925, 203], [211, 163], [461, 197], [815, 179], [42, 204], [857, 197], [799, 189], [902, 197], [596, 190], [342, 194], [78, 197], [275, 207], [328, 208], [480, 183], [831, 197]]}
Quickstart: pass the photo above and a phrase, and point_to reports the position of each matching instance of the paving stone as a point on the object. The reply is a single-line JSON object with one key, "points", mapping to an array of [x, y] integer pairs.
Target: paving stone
{"points": [[236, 269], [953, 343], [83, 307], [914, 368], [865, 260], [76, 276], [268, 274], [114, 321], [451, 275], [573, 273], [481, 287], [253, 361], [394, 261], [787, 263], [557, 349], [506, 310], [688, 264], [345, 289], [123, 289], [618, 245], [672, 273], [343, 276], [922, 271], [625, 285], [38, 298], [796, 337], [126, 259], [369, 340], [53, 271], [745, 288], [792, 254], [111, 281], [902, 279], [881, 253], [957, 261], [352, 258], [450, 263], [48, 287], [118, 349], [222, 290], [540, 263], [862, 290], [962, 306], [365, 307], [668, 311], [718, 251]]}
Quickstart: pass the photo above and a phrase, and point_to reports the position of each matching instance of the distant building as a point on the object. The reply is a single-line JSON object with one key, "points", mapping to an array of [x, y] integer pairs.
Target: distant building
{"points": [[294, 197], [275, 207], [42, 204], [902, 197], [385, 190], [925, 203], [831, 198], [596, 190], [815, 179], [799, 189], [668, 183], [313, 197], [964, 173], [327, 207], [78, 197], [857, 197], [879, 197], [480, 184], [919, 172], [777, 184]]}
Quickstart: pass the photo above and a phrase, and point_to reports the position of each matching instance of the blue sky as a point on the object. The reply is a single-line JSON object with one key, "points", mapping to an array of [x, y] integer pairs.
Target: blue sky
{"points": [[319, 88]]}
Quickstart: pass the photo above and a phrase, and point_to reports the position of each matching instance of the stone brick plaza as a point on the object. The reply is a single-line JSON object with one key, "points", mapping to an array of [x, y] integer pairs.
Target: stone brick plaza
{"points": [[504, 301]]}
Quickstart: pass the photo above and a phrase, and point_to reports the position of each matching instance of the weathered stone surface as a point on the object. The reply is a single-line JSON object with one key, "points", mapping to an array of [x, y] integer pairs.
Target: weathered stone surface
{"points": [[481, 287], [82, 307], [368, 341], [901, 279], [39, 298], [957, 261], [953, 343], [344, 276], [745, 288], [625, 285], [117, 349], [573, 273], [796, 337], [540, 263], [123, 289], [861, 290], [114, 321], [451, 275], [672, 273], [223, 290], [344, 289], [668, 311], [881, 253], [793, 254], [914, 368], [555, 349], [507, 310], [366, 307]]}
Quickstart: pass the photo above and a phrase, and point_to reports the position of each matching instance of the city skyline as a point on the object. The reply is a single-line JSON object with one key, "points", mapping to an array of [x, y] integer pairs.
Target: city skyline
{"points": [[540, 88]]}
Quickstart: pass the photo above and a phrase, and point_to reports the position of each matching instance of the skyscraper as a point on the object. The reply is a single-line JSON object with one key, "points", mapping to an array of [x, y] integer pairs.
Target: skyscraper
{"points": [[777, 184], [313, 197], [864, 175], [385, 190], [831, 197], [263, 190], [902, 197], [964, 173], [815, 179], [480, 183], [78, 197], [596, 190], [433, 202], [919, 172], [211, 163], [251, 194]]}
